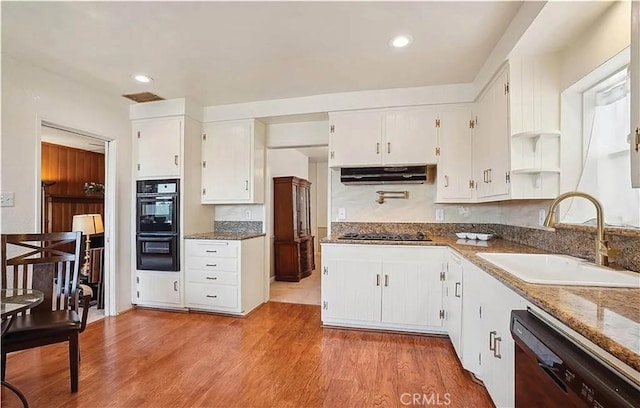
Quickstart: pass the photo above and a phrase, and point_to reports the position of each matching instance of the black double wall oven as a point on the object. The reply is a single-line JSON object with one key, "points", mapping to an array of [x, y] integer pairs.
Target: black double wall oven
{"points": [[158, 225]]}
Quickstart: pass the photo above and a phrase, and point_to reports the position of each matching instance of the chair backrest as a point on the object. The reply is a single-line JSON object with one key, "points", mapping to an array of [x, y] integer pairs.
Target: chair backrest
{"points": [[41, 262], [96, 262]]}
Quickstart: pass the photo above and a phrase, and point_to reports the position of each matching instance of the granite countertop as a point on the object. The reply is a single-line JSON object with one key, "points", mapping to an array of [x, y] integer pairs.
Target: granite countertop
{"points": [[227, 236], [608, 317]]}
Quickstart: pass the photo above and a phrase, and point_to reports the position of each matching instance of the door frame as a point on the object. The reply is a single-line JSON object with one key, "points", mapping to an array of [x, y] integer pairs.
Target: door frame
{"points": [[110, 208]]}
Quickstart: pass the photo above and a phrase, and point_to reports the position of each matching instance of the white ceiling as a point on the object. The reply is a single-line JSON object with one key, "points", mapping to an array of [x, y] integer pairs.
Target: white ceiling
{"points": [[70, 139], [230, 52]]}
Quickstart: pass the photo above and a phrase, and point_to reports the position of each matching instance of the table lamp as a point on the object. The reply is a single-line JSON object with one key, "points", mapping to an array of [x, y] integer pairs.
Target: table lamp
{"points": [[88, 224]]}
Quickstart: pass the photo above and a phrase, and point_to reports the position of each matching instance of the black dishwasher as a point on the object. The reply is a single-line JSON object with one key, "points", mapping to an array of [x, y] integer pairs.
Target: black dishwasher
{"points": [[553, 371]]}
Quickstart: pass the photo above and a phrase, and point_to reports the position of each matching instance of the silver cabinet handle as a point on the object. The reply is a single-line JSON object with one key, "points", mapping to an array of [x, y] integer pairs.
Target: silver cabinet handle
{"points": [[211, 278], [446, 181], [496, 348], [386, 280], [214, 265], [211, 252], [175, 286], [388, 147], [175, 159], [246, 185], [492, 342], [486, 176], [212, 296], [490, 175], [377, 279], [457, 290], [377, 148]]}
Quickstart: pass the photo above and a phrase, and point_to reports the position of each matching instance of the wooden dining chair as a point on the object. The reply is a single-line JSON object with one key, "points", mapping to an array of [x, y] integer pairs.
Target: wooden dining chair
{"points": [[43, 262]]}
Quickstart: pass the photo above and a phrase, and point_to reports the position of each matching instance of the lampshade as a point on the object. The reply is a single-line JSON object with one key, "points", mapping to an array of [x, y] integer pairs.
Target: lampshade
{"points": [[88, 224]]}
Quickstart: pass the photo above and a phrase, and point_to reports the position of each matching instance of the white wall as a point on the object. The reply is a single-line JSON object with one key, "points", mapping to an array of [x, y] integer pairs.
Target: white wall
{"points": [[31, 94], [298, 134], [608, 36]]}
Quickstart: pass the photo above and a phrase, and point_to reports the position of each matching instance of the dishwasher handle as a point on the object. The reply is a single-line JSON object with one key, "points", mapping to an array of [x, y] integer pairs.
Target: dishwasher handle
{"points": [[549, 371]]}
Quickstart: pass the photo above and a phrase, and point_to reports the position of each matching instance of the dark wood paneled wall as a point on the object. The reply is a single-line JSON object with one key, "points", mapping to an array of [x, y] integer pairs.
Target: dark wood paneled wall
{"points": [[70, 168]]}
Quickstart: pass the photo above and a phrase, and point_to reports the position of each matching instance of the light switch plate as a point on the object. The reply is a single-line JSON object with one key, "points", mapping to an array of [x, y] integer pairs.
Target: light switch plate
{"points": [[6, 199], [439, 214], [342, 213]]}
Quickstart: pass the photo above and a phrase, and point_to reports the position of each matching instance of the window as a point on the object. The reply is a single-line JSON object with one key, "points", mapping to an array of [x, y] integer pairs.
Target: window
{"points": [[605, 171]]}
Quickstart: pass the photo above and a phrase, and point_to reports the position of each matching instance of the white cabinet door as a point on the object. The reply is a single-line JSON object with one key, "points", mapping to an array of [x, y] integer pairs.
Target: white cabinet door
{"points": [[356, 139], [226, 156], [455, 160], [409, 136], [491, 140], [158, 287], [351, 289], [412, 293], [158, 147], [453, 301], [500, 361], [474, 342], [499, 137], [635, 94]]}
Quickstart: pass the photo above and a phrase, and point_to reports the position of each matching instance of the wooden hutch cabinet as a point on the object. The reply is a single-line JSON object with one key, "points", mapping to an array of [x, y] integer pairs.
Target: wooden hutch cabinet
{"points": [[294, 252]]}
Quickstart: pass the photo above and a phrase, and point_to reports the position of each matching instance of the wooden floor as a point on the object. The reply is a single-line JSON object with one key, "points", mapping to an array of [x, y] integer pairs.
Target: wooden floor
{"points": [[279, 356]]}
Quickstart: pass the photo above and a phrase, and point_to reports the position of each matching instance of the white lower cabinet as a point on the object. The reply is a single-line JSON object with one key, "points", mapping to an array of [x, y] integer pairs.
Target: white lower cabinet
{"points": [[488, 348], [382, 286], [224, 276], [453, 301], [158, 288]]}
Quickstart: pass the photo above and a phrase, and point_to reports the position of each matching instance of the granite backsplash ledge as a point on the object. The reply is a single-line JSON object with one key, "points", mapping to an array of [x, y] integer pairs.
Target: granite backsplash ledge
{"points": [[578, 241], [234, 227]]}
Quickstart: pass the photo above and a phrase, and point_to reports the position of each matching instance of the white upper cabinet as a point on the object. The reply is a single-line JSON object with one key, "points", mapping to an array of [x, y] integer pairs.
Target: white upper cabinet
{"points": [[355, 139], [635, 94], [491, 140], [233, 162], [157, 147], [454, 154], [409, 136], [383, 137]]}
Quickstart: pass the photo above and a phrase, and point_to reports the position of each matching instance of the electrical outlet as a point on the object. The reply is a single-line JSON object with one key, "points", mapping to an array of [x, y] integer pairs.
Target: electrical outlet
{"points": [[342, 213], [542, 214], [439, 214], [6, 199], [247, 214]]}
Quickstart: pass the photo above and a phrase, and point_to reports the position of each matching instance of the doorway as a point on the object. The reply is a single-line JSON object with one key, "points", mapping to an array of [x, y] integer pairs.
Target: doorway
{"points": [[75, 180], [308, 163]]}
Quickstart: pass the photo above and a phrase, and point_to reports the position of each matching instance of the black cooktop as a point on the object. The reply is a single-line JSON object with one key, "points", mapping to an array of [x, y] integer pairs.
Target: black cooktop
{"points": [[385, 237]]}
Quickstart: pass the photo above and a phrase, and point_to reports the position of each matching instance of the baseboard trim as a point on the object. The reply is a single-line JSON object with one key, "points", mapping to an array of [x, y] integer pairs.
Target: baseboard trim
{"points": [[272, 279]]}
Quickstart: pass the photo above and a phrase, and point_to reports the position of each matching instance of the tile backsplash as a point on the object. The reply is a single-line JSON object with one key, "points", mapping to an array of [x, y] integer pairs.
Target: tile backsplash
{"points": [[360, 205]]}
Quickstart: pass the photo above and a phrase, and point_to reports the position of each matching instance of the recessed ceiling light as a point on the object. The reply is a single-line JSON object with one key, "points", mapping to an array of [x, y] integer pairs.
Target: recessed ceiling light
{"points": [[145, 79], [401, 41]]}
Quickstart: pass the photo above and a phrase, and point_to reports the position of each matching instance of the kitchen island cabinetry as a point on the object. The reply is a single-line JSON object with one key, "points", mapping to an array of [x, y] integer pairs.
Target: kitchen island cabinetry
{"points": [[224, 275], [157, 145], [233, 162], [383, 286]]}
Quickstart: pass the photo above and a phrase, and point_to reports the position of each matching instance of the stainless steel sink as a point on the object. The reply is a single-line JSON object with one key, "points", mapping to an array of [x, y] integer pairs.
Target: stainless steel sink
{"points": [[561, 270]]}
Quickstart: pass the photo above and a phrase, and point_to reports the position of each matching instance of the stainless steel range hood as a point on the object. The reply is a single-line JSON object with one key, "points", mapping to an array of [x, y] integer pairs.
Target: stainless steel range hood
{"points": [[383, 175]]}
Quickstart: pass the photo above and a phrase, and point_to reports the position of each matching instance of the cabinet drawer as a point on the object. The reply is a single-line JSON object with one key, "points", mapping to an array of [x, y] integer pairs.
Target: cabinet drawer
{"points": [[213, 264], [212, 277], [212, 295], [218, 249]]}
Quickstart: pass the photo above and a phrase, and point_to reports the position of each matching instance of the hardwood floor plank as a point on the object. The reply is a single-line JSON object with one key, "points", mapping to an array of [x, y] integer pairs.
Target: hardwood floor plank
{"points": [[278, 356]]}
